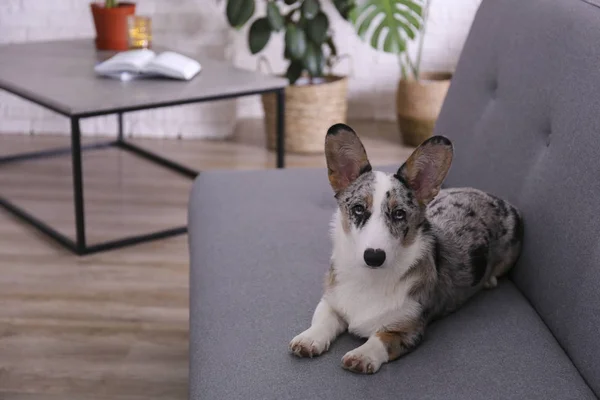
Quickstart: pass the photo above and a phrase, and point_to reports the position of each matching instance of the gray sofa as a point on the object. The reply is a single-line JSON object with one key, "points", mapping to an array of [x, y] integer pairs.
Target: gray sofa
{"points": [[523, 112]]}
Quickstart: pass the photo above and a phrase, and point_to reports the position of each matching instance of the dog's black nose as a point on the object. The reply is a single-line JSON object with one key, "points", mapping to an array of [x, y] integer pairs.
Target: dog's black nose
{"points": [[374, 257]]}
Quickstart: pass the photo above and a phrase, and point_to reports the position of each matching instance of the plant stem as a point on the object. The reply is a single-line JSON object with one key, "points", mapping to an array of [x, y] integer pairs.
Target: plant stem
{"points": [[402, 67], [413, 68], [417, 66]]}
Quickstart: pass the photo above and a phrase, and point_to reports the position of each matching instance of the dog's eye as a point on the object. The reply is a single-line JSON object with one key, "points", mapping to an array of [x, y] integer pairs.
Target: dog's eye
{"points": [[358, 210], [398, 215]]}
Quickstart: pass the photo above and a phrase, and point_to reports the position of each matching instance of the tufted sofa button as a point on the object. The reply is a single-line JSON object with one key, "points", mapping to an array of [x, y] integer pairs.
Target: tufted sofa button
{"points": [[493, 88]]}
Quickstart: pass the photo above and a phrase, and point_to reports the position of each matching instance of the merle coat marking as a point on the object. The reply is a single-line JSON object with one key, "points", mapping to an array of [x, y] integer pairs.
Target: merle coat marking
{"points": [[404, 252]]}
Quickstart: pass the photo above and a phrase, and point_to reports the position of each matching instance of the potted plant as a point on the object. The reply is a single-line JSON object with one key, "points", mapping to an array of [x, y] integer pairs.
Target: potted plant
{"points": [[315, 98], [110, 22], [388, 25]]}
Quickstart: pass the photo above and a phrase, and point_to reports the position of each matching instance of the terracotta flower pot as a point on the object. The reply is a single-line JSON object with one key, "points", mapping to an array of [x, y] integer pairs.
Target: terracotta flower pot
{"points": [[111, 25], [310, 109], [418, 104]]}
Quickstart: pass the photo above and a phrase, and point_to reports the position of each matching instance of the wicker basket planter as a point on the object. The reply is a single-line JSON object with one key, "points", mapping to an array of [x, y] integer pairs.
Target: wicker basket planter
{"points": [[418, 104], [310, 109]]}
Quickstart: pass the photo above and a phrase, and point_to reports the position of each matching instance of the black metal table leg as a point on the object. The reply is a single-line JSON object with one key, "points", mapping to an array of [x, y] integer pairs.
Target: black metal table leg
{"points": [[281, 128], [120, 125], [155, 158], [78, 185], [79, 245]]}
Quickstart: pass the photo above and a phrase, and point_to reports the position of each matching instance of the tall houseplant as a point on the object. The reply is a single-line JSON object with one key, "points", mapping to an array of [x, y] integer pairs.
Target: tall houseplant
{"points": [[110, 23], [315, 97], [389, 26]]}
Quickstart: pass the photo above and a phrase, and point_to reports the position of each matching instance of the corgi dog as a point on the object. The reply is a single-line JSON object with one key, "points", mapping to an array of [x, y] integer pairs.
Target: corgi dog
{"points": [[405, 252]]}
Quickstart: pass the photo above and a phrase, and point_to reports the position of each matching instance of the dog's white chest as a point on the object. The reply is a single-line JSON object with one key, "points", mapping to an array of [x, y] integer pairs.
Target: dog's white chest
{"points": [[371, 303]]}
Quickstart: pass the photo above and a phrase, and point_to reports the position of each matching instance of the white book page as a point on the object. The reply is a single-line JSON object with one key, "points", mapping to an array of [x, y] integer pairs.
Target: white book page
{"points": [[127, 61], [173, 65]]}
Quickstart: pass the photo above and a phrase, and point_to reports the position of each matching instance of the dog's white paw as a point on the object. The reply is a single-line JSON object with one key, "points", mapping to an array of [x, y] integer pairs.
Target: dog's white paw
{"points": [[491, 283], [308, 344], [357, 361]]}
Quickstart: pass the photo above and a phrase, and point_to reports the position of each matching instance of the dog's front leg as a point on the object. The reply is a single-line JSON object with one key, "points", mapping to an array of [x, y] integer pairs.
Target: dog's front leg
{"points": [[326, 325], [382, 347]]}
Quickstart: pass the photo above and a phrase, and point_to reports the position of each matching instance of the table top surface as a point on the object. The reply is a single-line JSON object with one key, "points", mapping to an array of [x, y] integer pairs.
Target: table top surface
{"points": [[60, 76]]}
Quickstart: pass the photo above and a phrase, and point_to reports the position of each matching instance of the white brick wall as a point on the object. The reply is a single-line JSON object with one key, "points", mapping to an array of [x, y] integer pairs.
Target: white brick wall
{"points": [[374, 75], [196, 26], [199, 26]]}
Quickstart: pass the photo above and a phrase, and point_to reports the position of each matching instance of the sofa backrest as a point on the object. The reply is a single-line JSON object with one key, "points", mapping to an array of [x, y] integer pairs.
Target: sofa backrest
{"points": [[523, 111]]}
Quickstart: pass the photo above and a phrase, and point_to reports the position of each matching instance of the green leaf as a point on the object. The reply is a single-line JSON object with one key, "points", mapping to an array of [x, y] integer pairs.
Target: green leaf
{"points": [[394, 19], [366, 22], [239, 12], [392, 46], [332, 46], [295, 41], [376, 36], [274, 16], [414, 6], [410, 18], [302, 22], [344, 7], [294, 71], [310, 8], [314, 60], [259, 34], [316, 30], [407, 29]]}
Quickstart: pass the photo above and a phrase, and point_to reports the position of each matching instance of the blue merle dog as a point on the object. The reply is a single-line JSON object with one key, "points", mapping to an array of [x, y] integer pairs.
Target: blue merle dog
{"points": [[405, 252]]}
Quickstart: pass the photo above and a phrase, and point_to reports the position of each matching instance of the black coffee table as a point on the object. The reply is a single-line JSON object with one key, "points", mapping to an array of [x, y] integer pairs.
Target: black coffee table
{"points": [[59, 76]]}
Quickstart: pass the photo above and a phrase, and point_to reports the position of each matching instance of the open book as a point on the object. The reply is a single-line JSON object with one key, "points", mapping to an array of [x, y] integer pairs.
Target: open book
{"points": [[146, 63]]}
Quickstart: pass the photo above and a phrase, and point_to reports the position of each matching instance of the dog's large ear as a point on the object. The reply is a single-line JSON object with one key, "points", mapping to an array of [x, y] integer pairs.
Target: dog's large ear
{"points": [[346, 157], [427, 167]]}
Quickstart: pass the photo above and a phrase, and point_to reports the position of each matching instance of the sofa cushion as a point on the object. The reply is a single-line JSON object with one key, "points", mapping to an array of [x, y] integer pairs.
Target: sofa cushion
{"points": [[259, 249], [523, 113]]}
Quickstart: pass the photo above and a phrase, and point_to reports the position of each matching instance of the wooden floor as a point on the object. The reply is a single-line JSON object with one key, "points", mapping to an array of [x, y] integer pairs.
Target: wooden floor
{"points": [[113, 325]]}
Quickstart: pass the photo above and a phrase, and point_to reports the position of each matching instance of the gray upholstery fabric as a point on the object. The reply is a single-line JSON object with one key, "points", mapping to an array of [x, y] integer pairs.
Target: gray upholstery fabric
{"points": [[524, 113], [260, 248]]}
